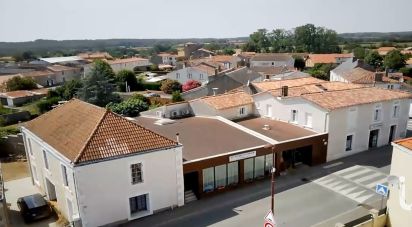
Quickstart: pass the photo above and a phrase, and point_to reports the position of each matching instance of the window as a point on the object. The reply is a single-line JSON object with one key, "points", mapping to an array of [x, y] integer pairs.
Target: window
{"points": [[257, 105], [220, 174], [177, 75], [273, 63], [189, 75], [46, 161], [34, 169], [201, 76], [349, 140], [138, 204], [248, 169], [377, 114], [208, 179], [268, 163], [259, 167], [308, 119], [268, 110], [294, 116], [242, 111], [395, 111], [232, 173], [136, 170], [64, 174], [30, 147]]}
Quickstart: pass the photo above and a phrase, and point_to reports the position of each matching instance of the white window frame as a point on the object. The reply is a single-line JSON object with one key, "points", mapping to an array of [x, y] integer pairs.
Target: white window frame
{"points": [[141, 174], [201, 76], [352, 142], [294, 116], [34, 171], [242, 111], [377, 109], [306, 120], [63, 169], [141, 213], [30, 148], [45, 159], [396, 109], [177, 75]]}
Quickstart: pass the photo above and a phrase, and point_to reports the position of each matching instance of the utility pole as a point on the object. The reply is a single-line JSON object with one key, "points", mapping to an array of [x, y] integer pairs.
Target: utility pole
{"points": [[273, 180]]}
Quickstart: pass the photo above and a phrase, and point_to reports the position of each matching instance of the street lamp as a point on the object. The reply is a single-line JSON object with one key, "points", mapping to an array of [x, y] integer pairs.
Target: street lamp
{"points": [[400, 183], [272, 171]]}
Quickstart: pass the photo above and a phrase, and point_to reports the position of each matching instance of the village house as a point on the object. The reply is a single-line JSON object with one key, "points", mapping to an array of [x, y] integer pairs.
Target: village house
{"points": [[200, 73], [314, 59], [272, 60], [135, 171], [356, 118], [18, 98], [166, 59], [121, 64], [385, 50]]}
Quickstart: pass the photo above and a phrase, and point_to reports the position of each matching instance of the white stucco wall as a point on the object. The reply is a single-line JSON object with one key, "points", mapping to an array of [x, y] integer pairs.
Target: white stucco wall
{"points": [[53, 174], [289, 63], [182, 75], [360, 124], [104, 188], [401, 165]]}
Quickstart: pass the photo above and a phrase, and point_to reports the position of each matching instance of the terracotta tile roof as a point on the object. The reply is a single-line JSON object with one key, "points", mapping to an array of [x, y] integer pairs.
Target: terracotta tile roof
{"points": [[385, 50], [272, 57], [83, 132], [95, 55], [126, 60], [224, 58], [166, 55], [24, 93], [276, 84], [344, 98], [406, 142], [327, 58], [37, 73], [60, 68], [362, 76], [316, 88], [210, 70], [228, 100]]}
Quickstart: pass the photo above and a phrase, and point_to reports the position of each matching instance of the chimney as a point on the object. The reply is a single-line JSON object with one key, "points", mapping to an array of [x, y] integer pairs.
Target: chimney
{"points": [[378, 77], [266, 127], [285, 90], [177, 137]]}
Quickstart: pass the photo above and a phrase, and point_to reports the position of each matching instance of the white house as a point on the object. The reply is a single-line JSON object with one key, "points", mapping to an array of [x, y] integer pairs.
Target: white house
{"points": [[168, 59], [356, 118], [400, 198], [272, 60], [122, 64], [100, 167], [199, 73]]}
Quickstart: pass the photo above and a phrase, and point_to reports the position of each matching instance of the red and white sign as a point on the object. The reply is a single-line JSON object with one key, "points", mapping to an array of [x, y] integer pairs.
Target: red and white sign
{"points": [[270, 220]]}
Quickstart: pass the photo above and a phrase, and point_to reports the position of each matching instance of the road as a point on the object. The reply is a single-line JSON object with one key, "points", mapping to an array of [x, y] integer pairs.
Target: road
{"points": [[304, 197]]}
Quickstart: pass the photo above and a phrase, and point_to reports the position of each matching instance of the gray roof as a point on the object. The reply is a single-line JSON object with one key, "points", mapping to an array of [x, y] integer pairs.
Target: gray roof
{"points": [[272, 57], [349, 65]]}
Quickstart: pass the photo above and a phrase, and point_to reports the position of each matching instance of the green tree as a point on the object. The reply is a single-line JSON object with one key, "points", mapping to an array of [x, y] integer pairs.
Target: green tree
{"points": [[258, 41], [69, 89], [169, 86], [359, 52], [228, 51], [374, 59], [281, 41], [47, 104], [127, 77], [130, 108], [394, 60], [177, 97], [20, 83], [309, 38], [28, 55], [99, 85], [299, 62]]}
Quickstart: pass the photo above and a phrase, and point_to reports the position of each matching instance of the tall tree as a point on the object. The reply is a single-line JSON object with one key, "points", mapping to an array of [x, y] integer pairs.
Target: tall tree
{"points": [[20, 83], [259, 41], [127, 77], [99, 85], [394, 60], [359, 52], [374, 59]]}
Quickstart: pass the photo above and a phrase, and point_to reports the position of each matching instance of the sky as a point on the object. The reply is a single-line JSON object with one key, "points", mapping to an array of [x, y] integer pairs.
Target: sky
{"points": [[26, 20]]}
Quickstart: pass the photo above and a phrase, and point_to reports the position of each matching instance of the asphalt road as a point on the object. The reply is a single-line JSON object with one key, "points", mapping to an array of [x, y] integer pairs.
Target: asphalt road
{"points": [[304, 197]]}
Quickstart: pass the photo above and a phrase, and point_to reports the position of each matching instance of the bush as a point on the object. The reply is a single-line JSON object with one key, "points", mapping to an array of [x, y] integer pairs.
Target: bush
{"points": [[190, 84], [47, 104], [406, 71], [127, 76], [20, 83], [151, 86], [177, 97], [169, 86], [8, 130], [140, 97], [130, 108]]}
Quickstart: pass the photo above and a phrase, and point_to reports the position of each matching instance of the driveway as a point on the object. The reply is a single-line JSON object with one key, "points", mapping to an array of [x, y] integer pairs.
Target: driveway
{"points": [[18, 188]]}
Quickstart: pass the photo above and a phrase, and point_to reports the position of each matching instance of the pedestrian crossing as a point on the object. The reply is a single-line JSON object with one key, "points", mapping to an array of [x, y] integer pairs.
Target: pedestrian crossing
{"points": [[357, 183], [409, 127]]}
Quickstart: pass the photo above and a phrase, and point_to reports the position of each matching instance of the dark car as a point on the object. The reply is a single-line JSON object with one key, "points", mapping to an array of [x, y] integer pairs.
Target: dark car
{"points": [[34, 207], [149, 95]]}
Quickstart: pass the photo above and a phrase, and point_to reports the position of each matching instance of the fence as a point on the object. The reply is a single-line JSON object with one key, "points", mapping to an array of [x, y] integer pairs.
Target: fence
{"points": [[12, 145]]}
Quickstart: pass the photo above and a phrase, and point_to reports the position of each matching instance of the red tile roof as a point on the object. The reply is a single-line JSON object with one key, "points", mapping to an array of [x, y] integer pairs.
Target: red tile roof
{"points": [[228, 100], [407, 143], [83, 132], [327, 58]]}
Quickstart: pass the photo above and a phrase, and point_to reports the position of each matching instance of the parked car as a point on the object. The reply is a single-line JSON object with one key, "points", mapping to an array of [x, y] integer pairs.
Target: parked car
{"points": [[149, 95], [34, 207]]}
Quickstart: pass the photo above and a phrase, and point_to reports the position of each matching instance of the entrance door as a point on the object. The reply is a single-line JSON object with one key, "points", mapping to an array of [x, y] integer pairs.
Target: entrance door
{"points": [[51, 190], [192, 182], [392, 133], [373, 138]]}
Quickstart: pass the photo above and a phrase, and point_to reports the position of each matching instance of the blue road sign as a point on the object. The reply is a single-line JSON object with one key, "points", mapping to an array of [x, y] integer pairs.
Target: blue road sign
{"points": [[382, 189]]}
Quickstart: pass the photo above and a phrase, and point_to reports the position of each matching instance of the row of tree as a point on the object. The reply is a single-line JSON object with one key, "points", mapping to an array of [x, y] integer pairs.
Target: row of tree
{"points": [[306, 38], [394, 60]]}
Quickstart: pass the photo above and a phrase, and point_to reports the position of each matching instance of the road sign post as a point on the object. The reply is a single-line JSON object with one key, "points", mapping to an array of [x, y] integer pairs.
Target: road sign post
{"points": [[383, 191]]}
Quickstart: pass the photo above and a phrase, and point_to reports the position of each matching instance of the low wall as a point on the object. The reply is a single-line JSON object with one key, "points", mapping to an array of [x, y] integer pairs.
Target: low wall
{"points": [[15, 118], [12, 145]]}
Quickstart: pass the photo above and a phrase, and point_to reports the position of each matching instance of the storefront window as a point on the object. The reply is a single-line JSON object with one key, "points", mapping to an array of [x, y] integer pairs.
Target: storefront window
{"points": [[220, 176], [268, 163], [208, 179], [259, 166], [232, 173], [248, 169]]}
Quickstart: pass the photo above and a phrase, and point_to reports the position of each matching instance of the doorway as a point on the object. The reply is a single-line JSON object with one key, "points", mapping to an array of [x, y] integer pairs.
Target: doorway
{"points": [[373, 138], [392, 133], [51, 190], [191, 181]]}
